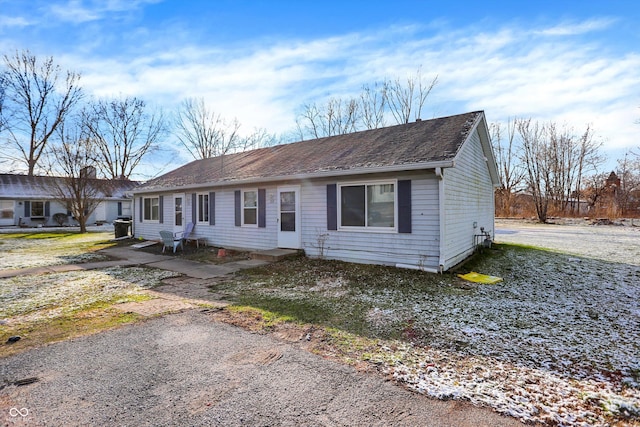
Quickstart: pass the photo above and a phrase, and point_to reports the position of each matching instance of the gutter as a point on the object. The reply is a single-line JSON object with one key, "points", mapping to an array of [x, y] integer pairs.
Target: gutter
{"points": [[303, 176], [442, 217]]}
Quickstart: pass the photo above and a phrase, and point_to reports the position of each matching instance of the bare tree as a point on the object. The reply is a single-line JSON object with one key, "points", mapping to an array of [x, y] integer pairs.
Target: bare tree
{"points": [[205, 133], [556, 161], [589, 160], [629, 174], [76, 185], [373, 103], [595, 190], [536, 162], [510, 170], [405, 98], [570, 157], [256, 139], [336, 117], [399, 99], [124, 132], [2, 95], [38, 100]]}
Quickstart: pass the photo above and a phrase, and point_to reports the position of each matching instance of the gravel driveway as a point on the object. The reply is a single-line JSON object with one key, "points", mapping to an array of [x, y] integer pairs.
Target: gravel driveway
{"points": [[186, 369]]}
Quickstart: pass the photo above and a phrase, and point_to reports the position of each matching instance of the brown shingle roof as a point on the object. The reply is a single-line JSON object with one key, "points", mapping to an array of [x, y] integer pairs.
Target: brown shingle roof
{"points": [[424, 141]]}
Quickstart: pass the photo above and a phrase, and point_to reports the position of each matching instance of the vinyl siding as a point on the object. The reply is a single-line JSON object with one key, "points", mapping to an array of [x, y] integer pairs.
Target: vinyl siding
{"points": [[468, 199], [150, 230], [224, 233], [55, 207], [421, 247]]}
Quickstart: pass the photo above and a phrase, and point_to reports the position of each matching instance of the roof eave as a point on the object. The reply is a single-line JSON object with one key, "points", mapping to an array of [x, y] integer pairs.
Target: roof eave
{"points": [[480, 124], [313, 175]]}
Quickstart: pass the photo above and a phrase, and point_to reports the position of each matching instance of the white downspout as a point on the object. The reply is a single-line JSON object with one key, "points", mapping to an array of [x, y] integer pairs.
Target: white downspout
{"points": [[133, 217], [441, 207], [417, 267]]}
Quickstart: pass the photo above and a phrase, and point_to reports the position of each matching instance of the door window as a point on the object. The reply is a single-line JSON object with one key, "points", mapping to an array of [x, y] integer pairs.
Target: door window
{"points": [[288, 211]]}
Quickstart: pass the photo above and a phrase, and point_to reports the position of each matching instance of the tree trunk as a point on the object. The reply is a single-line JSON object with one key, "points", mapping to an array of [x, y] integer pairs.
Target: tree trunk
{"points": [[82, 220]]}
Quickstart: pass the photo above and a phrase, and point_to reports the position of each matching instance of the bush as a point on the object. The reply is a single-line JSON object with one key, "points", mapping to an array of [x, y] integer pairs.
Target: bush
{"points": [[60, 218]]}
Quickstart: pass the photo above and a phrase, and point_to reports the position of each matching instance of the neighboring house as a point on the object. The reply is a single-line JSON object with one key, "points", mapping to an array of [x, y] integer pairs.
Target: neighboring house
{"points": [[416, 195], [31, 201]]}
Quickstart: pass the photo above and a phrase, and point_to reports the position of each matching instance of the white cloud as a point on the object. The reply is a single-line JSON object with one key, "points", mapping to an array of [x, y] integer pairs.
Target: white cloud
{"points": [[73, 11], [13, 22], [507, 71], [81, 11], [573, 28]]}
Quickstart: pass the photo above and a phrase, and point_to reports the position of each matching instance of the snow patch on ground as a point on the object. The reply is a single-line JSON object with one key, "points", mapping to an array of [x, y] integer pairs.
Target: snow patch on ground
{"points": [[556, 342], [16, 253], [24, 299]]}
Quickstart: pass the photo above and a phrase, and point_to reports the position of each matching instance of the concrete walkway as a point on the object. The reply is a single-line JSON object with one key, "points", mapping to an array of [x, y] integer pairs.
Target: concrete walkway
{"points": [[127, 256]]}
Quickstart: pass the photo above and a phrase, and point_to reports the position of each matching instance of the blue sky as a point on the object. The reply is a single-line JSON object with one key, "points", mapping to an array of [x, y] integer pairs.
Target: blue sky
{"points": [[572, 62]]}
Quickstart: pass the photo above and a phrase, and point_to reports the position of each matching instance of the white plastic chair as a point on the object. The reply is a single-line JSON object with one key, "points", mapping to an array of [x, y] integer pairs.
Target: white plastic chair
{"points": [[170, 241]]}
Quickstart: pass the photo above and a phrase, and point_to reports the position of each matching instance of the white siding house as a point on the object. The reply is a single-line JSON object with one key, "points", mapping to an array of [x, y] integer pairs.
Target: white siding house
{"points": [[415, 195], [29, 201]]}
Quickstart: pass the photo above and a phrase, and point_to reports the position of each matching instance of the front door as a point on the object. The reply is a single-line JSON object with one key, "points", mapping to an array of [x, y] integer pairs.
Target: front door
{"points": [[289, 217], [178, 212]]}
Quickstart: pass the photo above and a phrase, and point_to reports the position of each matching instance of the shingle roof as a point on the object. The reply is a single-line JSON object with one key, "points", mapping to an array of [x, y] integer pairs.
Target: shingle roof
{"points": [[421, 142], [24, 186]]}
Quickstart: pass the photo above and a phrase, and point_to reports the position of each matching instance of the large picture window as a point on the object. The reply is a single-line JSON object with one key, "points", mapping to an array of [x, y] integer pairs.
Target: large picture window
{"points": [[151, 208], [203, 208], [368, 205], [250, 207]]}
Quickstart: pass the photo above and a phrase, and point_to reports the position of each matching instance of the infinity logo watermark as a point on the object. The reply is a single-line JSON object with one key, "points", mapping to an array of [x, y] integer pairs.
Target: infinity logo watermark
{"points": [[14, 412]]}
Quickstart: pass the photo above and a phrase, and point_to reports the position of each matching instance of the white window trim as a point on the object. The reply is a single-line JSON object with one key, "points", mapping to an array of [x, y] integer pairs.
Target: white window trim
{"points": [[144, 219], [369, 229], [198, 198], [249, 190], [31, 202]]}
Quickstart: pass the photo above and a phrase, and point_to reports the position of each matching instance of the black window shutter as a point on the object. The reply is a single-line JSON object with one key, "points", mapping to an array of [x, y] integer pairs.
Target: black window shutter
{"points": [[27, 208], [141, 207], [332, 206], [160, 209], [194, 207], [212, 208], [119, 208], [47, 208], [238, 213], [404, 206], [262, 208]]}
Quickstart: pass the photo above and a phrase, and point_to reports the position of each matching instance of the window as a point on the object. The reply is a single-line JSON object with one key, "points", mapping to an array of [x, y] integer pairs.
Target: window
{"points": [[385, 188], [250, 207], [37, 208], [203, 208], [6, 209], [177, 211], [368, 205], [151, 209]]}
